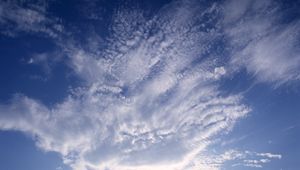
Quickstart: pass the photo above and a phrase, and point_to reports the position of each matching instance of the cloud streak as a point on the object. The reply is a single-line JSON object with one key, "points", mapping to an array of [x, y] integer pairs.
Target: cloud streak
{"points": [[15, 18], [235, 158]]}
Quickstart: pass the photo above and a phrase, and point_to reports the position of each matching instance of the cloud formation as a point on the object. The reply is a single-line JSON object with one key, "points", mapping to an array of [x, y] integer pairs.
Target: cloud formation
{"points": [[18, 16], [151, 99], [261, 42], [236, 158]]}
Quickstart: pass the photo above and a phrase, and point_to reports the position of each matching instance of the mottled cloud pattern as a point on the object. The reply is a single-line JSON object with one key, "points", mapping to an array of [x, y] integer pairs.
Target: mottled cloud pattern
{"points": [[151, 98]]}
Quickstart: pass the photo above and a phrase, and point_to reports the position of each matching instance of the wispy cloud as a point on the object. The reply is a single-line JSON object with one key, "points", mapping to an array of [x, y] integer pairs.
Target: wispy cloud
{"points": [[233, 158], [260, 43], [17, 16], [151, 99], [256, 160]]}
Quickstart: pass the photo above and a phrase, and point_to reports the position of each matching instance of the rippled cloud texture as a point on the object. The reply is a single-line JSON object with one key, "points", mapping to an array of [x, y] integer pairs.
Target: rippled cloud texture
{"points": [[150, 98]]}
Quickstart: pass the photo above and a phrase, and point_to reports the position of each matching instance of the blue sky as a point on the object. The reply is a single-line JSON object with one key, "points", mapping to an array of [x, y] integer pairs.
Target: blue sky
{"points": [[149, 85]]}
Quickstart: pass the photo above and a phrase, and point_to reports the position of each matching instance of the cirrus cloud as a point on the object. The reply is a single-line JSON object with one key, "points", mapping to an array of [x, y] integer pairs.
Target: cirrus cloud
{"points": [[151, 99]]}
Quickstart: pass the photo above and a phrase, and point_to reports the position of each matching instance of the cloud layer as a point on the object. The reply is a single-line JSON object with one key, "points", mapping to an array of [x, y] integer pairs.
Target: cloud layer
{"points": [[151, 99]]}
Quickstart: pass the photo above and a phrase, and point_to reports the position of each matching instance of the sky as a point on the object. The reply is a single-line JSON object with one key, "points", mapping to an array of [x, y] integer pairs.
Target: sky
{"points": [[149, 85]]}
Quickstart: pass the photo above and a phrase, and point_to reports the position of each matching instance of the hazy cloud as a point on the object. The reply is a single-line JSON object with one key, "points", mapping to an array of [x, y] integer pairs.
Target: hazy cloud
{"points": [[18, 16], [266, 48]]}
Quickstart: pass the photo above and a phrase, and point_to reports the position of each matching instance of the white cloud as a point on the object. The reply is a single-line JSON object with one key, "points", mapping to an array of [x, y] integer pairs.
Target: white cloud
{"points": [[235, 158], [267, 49], [143, 106], [270, 155], [151, 99], [101, 128]]}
